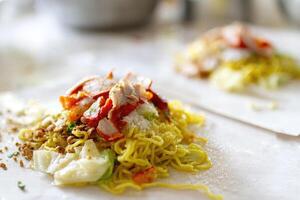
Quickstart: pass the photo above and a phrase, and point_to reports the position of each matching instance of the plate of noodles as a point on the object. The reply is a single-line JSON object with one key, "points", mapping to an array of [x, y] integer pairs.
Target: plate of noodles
{"points": [[116, 134], [234, 58]]}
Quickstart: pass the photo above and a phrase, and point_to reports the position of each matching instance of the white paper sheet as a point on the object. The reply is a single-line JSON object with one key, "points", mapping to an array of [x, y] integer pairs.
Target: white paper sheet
{"points": [[249, 164], [277, 111]]}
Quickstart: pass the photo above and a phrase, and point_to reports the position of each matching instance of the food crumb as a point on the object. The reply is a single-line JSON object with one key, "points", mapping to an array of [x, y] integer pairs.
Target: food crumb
{"points": [[273, 105], [21, 185], [3, 166], [255, 107], [262, 107], [21, 163], [13, 129], [14, 154]]}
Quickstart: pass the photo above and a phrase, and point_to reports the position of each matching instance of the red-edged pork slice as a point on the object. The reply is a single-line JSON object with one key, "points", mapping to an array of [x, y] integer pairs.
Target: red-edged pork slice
{"points": [[107, 130]]}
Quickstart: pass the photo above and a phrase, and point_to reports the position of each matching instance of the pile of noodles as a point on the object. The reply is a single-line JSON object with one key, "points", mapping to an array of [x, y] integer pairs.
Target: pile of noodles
{"points": [[269, 72], [164, 145]]}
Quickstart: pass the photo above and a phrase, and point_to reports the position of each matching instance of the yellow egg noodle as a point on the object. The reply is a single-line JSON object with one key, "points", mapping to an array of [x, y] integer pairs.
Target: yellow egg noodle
{"points": [[268, 72], [165, 144]]}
